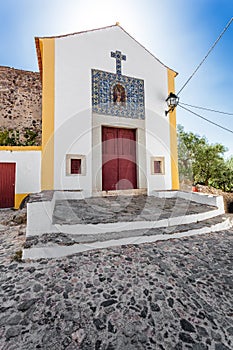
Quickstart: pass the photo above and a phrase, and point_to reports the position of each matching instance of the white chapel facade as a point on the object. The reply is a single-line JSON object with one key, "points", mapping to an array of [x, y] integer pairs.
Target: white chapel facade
{"points": [[104, 126]]}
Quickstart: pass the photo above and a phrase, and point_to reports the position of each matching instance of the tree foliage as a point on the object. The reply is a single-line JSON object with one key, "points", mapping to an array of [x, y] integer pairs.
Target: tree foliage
{"points": [[230, 163], [203, 163]]}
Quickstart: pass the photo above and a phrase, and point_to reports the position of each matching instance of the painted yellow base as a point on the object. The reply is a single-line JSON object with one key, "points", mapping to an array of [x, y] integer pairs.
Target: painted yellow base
{"points": [[19, 197], [20, 148]]}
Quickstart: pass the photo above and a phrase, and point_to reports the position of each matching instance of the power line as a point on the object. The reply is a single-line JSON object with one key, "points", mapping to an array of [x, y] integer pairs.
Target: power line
{"points": [[212, 47], [207, 120], [205, 109]]}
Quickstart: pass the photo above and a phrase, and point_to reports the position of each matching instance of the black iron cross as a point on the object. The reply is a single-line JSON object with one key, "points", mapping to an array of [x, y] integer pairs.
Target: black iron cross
{"points": [[119, 57]]}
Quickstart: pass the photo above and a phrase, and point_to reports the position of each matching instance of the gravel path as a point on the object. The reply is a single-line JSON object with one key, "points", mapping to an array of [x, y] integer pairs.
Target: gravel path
{"points": [[176, 294]]}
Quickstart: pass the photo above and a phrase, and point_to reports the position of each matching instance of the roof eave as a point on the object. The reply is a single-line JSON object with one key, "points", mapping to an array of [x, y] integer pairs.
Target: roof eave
{"points": [[39, 54]]}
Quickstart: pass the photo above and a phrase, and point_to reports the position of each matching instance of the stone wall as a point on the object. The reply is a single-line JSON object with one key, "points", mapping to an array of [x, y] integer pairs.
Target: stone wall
{"points": [[227, 196], [20, 101]]}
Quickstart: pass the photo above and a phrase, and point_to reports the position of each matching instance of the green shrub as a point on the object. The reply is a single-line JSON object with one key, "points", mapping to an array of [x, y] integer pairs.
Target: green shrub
{"points": [[12, 138]]}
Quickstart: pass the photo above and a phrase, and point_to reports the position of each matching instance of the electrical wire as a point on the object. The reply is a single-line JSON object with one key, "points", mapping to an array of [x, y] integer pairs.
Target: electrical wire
{"points": [[212, 47], [205, 109], [207, 120]]}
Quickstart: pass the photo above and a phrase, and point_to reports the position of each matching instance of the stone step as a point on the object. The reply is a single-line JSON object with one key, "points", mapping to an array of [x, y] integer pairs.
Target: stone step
{"points": [[69, 212], [53, 245], [125, 209], [113, 193]]}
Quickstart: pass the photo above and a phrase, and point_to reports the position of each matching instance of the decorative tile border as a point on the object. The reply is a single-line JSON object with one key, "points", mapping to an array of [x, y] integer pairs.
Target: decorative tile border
{"points": [[103, 85]]}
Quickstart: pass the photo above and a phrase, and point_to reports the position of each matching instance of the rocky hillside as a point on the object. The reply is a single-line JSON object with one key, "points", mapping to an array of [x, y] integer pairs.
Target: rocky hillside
{"points": [[20, 104]]}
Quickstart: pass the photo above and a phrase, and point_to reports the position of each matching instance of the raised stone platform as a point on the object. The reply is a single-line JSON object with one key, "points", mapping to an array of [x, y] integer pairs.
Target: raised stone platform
{"points": [[66, 226], [123, 209]]}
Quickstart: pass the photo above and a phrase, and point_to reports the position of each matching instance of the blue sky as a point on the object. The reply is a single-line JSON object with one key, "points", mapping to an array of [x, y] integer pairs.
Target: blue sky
{"points": [[178, 32]]}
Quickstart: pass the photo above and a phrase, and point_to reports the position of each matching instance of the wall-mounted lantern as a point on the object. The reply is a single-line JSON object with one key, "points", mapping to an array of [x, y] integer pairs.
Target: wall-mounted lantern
{"points": [[172, 101]]}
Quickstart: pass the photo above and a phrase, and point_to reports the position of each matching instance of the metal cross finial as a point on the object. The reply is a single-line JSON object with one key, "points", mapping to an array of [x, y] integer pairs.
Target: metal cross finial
{"points": [[119, 57]]}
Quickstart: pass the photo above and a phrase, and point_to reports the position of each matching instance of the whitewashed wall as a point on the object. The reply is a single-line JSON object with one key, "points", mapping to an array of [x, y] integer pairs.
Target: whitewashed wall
{"points": [[28, 171], [75, 56]]}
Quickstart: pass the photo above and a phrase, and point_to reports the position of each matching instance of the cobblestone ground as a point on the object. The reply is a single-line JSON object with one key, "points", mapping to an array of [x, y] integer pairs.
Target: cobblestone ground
{"points": [[170, 295]]}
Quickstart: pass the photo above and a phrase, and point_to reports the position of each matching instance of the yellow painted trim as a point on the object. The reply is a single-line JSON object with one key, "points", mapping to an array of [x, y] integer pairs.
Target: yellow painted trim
{"points": [[19, 197], [173, 134], [20, 148], [41, 47], [47, 47]]}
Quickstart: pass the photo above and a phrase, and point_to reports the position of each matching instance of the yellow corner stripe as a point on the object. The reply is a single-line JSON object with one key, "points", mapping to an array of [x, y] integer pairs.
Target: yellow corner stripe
{"points": [[47, 47], [173, 134]]}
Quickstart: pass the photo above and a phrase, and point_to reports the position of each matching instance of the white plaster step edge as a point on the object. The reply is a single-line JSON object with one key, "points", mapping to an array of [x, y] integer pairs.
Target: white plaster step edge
{"points": [[40, 214], [137, 225], [62, 251], [86, 229]]}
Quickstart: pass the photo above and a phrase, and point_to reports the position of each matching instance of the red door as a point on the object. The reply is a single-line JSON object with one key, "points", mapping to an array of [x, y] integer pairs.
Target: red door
{"points": [[119, 171], [7, 185]]}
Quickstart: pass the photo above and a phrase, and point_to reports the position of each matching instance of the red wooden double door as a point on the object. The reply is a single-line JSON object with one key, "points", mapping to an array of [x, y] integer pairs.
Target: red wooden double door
{"points": [[7, 185], [119, 170]]}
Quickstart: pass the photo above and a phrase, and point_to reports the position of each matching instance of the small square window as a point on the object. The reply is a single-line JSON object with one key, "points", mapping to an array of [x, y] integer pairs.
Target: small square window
{"points": [[75, 164], [157, 166]]}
